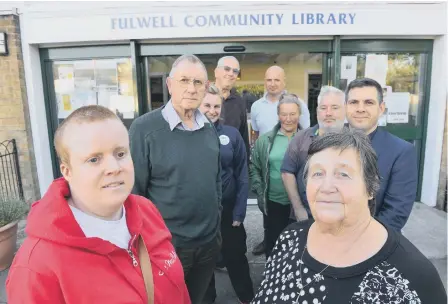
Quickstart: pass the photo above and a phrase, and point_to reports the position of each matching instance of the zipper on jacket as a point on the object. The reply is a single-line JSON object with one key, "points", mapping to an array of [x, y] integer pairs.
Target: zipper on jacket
{"points": [[134, 260], [266, 178], [131, 254]]}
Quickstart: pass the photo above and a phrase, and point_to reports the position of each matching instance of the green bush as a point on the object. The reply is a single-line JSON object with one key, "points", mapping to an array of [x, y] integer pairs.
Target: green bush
{"points": [[12, 209]]}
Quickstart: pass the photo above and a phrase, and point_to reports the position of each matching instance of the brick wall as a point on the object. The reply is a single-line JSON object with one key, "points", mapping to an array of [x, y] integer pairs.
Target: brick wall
{"points": [[14, 112]]}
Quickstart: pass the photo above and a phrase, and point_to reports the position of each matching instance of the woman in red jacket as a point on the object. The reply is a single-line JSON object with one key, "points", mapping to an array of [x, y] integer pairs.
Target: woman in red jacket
{"points": [[90, 240]]}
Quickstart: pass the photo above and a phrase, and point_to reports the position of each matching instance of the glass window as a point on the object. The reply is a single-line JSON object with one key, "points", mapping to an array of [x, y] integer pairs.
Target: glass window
{"points": [[303, 73], [402, 76], [106, 82]]}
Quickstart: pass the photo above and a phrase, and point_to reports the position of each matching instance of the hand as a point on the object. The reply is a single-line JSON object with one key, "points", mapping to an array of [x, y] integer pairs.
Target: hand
{"points": [[301, 214], [236, 224]]}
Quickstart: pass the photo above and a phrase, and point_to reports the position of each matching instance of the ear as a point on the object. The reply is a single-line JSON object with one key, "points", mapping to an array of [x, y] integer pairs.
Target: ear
{"points": [[169, 83], [65, 171], [382, 107]]}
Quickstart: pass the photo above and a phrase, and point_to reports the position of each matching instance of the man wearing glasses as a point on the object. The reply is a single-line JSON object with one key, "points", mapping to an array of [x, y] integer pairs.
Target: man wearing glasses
{"points": [[234, 108], [175, 150]]}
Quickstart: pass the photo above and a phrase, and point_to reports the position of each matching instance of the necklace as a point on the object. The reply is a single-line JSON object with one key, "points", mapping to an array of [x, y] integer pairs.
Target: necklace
{"points": [[318, 275]]}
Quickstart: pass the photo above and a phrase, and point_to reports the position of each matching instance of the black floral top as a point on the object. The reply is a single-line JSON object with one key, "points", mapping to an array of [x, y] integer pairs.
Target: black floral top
{"points": [[398, 273]]}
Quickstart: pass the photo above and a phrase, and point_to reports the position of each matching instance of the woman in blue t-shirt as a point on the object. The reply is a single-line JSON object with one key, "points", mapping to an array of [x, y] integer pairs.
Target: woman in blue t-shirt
{"points": [[235, 191]]}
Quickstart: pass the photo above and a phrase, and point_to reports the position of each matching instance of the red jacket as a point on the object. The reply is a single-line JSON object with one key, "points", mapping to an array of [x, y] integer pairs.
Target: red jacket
{"points": [[58, 264]]}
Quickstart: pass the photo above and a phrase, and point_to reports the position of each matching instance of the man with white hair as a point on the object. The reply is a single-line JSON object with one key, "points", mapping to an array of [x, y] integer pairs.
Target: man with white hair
{"points": [[234, 108], [175, 150], [330, 117]]}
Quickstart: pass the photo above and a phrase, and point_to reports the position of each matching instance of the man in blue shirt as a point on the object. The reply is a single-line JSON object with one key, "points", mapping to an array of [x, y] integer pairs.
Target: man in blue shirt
{"points": [[397, 159]]}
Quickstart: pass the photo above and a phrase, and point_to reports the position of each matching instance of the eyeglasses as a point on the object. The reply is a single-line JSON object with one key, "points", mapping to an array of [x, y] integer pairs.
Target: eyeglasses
{"points": [[197, 83], [228, 69]]}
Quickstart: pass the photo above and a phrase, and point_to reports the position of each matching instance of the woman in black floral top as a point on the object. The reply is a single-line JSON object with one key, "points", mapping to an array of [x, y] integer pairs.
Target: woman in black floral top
{"points": [[345, 255]]}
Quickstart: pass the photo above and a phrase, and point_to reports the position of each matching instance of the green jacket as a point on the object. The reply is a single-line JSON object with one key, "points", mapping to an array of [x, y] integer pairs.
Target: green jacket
{"points": [[259, 167]]}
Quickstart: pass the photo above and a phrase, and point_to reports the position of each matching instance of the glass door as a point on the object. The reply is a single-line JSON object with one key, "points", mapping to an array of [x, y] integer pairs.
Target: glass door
{"points": [[300, 60], [402, 68]]}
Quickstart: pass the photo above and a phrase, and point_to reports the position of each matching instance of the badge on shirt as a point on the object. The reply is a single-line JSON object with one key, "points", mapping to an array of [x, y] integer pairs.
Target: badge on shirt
{"points": [[224, 139]]}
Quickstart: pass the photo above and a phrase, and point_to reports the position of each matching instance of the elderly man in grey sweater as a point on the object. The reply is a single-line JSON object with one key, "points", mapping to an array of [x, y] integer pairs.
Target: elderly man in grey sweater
{"points": [[175, 150]]}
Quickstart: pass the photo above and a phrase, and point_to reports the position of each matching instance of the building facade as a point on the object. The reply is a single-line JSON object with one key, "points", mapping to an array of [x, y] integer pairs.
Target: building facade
{"points": [[14, 114], [119, 55]]}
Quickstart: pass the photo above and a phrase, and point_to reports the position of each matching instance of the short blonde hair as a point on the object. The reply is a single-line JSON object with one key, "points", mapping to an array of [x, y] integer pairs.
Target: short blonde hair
{"points": [[87, 114], [213, 90]]}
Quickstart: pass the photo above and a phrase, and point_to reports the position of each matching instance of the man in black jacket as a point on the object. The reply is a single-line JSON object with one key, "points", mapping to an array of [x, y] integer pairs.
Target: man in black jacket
{"points": [[234, 108]]}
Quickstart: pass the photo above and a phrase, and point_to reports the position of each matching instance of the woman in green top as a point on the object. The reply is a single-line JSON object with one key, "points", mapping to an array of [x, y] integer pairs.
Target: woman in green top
{"points": [[267, 158]]}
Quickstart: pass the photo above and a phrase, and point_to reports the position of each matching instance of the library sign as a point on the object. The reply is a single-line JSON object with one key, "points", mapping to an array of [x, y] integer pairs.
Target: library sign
{"points": [[230, 20]]}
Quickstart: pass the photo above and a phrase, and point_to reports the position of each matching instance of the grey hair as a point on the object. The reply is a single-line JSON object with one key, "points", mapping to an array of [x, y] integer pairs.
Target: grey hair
{"points": [[213, 89], [358, 141], [222, 59], [190, 58], [291, 99], [326, 90]]}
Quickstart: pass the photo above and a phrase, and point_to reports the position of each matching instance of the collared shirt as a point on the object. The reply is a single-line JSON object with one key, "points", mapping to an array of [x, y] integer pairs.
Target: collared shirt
{"points": [[173, 119], [264, 115]]}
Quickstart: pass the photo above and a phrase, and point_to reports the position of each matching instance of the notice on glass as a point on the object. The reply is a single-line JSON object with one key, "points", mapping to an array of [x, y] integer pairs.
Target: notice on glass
{"points": [[64, 86], [376, 68], [398, 107], [348, 68], [64, 105], [65, 72], [122, 103], [83, 98]]}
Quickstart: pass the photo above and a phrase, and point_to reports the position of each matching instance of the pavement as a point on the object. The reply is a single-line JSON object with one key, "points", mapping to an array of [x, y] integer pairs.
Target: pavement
{"points": [[426, 229]]}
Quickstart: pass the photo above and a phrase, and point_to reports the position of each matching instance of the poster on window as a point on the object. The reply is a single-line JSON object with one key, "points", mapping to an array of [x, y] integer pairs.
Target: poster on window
{"points": [[398, 107], [348, 68], [376, 68], [65, 72]]}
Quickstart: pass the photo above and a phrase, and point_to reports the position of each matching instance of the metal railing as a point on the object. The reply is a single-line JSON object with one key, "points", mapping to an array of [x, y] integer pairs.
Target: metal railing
{"points": [[10, 179]]}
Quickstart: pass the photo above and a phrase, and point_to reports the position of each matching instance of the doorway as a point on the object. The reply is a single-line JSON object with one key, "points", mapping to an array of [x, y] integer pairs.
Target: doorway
{"points": [[295, 57], [314, 85]]}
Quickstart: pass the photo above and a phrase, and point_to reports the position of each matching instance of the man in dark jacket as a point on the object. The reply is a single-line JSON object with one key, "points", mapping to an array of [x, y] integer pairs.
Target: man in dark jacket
{"points": [[330, 116], [234, 108], [175, 151], [397, 159]]}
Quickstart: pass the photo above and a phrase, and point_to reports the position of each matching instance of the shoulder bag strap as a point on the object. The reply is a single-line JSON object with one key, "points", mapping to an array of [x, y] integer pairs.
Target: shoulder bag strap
{"points": [[145, 265]]}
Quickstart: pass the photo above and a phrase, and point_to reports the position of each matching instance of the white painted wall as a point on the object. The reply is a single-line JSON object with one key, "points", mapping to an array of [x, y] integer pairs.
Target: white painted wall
{"points": [[36, 103], [436, 121], [72, 22]]}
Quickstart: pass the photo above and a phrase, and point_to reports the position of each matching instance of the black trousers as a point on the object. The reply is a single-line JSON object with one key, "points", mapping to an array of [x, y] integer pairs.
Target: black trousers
{"points": [[234, 255], [276, 221], [198, 264]]}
